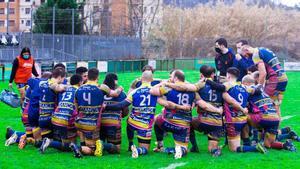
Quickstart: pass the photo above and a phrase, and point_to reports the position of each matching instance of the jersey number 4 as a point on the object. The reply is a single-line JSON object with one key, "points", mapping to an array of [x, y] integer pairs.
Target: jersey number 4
{"points": [[87, 97]]}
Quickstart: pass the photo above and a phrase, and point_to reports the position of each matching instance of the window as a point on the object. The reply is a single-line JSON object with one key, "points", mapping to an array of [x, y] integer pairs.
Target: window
{"points": [[1, 23], [1, 10], [11, 10], [152, 9], [145, 9], [22, 22], [11, 22], [96, 8], [11, 0], [27, 0], [43, 1], [27, 10], [28, 23], [1, 0]]}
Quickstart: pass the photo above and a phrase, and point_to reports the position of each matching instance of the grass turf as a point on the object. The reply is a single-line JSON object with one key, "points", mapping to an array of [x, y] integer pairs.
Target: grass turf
{"points": [[12, 157]]}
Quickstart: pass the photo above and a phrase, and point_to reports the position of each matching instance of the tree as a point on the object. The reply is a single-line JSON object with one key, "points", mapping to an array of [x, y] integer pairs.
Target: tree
{"points": [[43, 17]]}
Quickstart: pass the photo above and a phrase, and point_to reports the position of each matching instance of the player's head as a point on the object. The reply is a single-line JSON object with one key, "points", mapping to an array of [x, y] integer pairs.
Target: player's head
{"points": [[93, 74], [25, 53], [232, 74], [255, 76], [248, 80], [59, 65], [147, 76], [247, 50], [220, 45], [46, 75], [83, 72], [177, 76], [148, 68], [76, 80], [59, 75], [111, 80], [252, 68], [207, 71], [239, 45]]}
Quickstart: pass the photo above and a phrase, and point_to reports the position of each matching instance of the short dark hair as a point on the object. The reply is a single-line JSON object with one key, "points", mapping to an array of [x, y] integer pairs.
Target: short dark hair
{"points": [[58, 72], [233, 71], [110, 80], [75, 79], [222, 41], [180, 75], [243, 42], [24, 50], [207, 71], [148, 67], [252, 68], [81, 70], [46, 75], [93, 74], [59, 65]]}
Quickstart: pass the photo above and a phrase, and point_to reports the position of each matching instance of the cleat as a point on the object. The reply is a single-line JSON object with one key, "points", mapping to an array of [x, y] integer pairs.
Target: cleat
{"points": [[261, 148], [194, 149], [216, 152], [12, 139], [288, 145], [9, 132], [99, 148], [75, 149], [294, 136], [45, 145], [178, 152], [22, 142], [135, 153]]}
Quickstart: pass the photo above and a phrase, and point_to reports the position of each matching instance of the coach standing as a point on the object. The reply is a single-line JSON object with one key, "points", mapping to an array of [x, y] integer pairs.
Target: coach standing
{"points": [[224, 57], [23, 67]]}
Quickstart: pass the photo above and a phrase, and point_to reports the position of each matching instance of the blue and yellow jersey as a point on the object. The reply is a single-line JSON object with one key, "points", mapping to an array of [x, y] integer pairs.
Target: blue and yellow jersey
{"points": [[33, 84], [66, 108], [263, 104], [273, 66], [143, 107], [241, 95], [48, 98], [178, 117], [110, 117], [215, 98], [60, 95], [138, 83], [89, 99]]}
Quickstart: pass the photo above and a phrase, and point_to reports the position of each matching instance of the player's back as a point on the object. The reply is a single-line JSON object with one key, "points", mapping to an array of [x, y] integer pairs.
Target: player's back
{"points": [[179, 117], [48, 98], [143, 107], [110, 117], [66, 107], [89, 99], [214, 97]]}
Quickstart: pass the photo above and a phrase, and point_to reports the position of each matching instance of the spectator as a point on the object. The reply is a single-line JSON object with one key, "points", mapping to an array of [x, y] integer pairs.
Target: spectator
{"points": [[224, 57]]}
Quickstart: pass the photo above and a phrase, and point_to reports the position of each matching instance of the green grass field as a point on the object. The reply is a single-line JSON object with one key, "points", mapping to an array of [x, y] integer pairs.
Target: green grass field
{"points": [[12, 157]]}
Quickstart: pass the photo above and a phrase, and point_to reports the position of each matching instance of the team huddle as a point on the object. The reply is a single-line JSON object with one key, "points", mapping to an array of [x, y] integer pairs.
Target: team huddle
{"points": [[242, 107]]}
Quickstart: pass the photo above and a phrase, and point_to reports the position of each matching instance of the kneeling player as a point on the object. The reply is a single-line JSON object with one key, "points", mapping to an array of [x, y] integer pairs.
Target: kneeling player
{"points": [[142, 116]]}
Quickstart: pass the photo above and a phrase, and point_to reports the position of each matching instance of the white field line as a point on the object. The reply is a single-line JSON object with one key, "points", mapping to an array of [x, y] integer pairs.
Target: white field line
{"points": [[287, 117], [173, 165]]}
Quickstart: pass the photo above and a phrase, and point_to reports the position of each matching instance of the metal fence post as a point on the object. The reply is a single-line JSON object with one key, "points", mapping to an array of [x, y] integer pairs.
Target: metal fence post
{"points": [[53, 29]]}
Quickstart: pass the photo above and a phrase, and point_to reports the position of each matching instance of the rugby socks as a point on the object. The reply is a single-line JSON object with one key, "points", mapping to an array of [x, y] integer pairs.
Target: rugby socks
{"points": [[277, 145], [109, 147], [285, 130], [283, 137], [130, 135], [255, 135], [184, 151], [19, 134], [193, 138], [246, 142], [159, 133], [170, 150], [242, 149], [142, 150]]}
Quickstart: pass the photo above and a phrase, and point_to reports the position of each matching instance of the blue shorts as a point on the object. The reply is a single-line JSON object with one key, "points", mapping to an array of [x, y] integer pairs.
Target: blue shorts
{"points": [[181, 134], [45, 122], [213, 132], [143, 135], [269, 126], [281, 86], [234, 129], [33, 116], [112, 134]]}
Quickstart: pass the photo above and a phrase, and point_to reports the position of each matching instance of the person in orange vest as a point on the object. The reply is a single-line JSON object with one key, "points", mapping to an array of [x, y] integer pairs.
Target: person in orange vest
{"points": [[22, 69]]}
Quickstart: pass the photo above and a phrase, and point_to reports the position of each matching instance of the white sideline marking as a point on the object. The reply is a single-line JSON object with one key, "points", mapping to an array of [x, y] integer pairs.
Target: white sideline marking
{"points": [[174, 165], [286, 117]]}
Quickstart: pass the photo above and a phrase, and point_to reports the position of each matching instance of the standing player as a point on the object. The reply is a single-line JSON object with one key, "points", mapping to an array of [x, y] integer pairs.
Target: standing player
{"points": [[271, 74], [142, 116], [63, 120], [111, 120], [89, 98], [262, 114]]}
